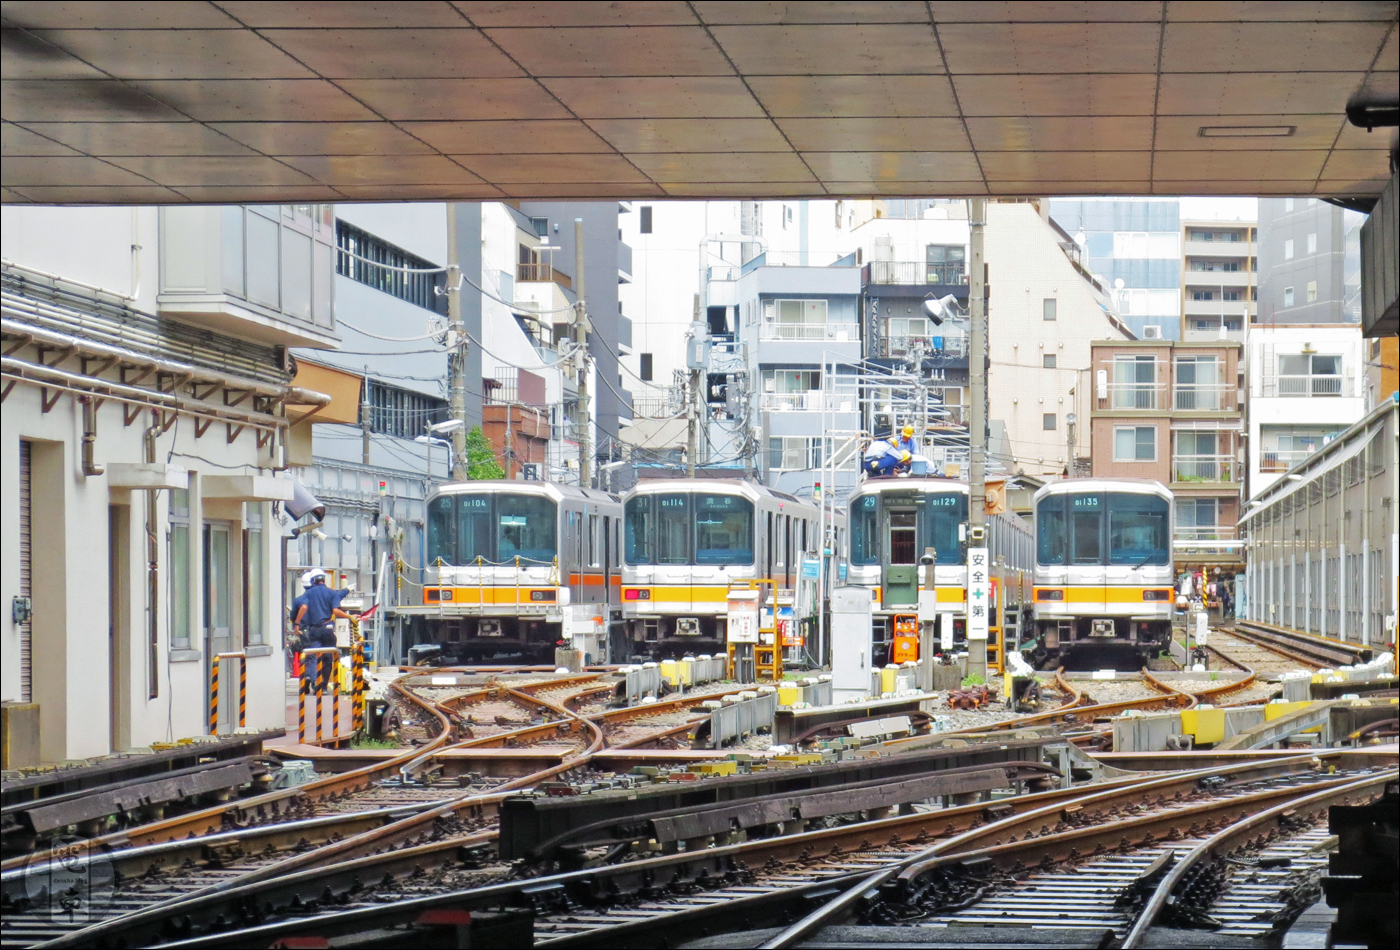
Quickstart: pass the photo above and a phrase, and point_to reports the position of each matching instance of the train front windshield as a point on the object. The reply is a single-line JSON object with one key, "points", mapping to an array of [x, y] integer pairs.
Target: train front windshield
{"points": [[943, 512], [689, 528], [491, 528], [1103, 528]]}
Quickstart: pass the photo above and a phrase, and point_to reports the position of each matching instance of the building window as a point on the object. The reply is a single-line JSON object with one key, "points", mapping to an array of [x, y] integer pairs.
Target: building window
{"points": [[254, 633], [1232, 295], [1134, 382], [1288, 296], [646, 219], [946, 264], [541, 226], [1312, 291], [840, 210], [1199, 459], [1135, 443], [1287, 204], [401, 412], [1197, 383], [1202, 295], [1309, 374], [1196, 513], [1047, 422], [795, 319], [1312, 243], [794, 453], [1048, 307], [369, 252], [1288, 250], [646, 367], [1047, 360], [178, 560]]}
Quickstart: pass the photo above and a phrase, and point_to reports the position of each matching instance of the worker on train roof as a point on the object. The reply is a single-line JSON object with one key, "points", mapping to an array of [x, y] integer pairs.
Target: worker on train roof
{"points": [[906, 443], [883, 459]]}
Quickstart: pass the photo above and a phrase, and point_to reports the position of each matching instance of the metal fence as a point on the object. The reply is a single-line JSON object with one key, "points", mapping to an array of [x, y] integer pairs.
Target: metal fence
{"points": [[744, 718]]}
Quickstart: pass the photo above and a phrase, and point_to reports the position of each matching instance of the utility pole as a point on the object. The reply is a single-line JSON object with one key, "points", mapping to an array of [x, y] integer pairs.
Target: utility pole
{"points": [[1070, 420], [977, 426], [582, 420], [364, 417], [457, 358]]}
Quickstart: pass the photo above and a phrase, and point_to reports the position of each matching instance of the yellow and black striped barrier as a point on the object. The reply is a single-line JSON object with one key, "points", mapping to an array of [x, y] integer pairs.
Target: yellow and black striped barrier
{"points": [[357, 677], [325, 673], [214, 665]]}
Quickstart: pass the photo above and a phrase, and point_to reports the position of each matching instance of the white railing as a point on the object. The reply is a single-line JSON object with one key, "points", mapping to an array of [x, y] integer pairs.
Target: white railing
{"points": [[917, 272], [1281, 460], [1309, 385], [1203, 468], [813, 401], [955, 346], [1206, 539], [1204, 396], [810, 332], [1135, 395]]}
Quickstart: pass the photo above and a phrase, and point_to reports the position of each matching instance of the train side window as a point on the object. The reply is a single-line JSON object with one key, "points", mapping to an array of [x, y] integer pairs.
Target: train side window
{"points": [[442, 531], [673, 529], [593, 541], [1087, 529], [1050, 529], [638, 531]]}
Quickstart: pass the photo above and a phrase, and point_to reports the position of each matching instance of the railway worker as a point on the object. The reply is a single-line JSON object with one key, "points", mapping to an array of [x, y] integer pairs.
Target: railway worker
{"points": [[317, 618], [883, 459], [294, 642], [905, 442]]}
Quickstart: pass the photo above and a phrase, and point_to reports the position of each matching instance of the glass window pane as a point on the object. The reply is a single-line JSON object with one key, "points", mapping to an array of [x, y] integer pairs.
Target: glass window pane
{"points": [[1326, 365], [179, 555], [1124, 445], [525, 529], [1085, 528], [216, 573], [943, 513], [723, 529], [1146, 443], [253, 561], [442, 531], [638, 529], [865, 535], [1138, 528], [1050, 519], [474, 529], [672, 529]]}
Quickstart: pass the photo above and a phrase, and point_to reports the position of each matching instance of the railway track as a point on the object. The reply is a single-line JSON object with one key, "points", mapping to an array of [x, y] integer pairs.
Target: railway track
{"points": [[443, 820], [712, 889]]}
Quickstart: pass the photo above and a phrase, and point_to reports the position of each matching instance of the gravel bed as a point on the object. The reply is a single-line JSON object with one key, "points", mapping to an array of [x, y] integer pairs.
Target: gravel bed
{"points": [[974, 718], [1115, 691], [1257, 693], [1196, 683]]}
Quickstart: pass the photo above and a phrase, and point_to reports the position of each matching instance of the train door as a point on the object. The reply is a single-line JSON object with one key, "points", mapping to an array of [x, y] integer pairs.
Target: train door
{"points": [[768, 549], [788, 581], [218, 602], [900, 568], [607, 559]]}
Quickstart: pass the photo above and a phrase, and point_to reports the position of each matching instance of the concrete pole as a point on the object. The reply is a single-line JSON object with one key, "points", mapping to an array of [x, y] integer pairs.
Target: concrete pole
{"points": [[457, 359], [364, 418], [977, 424], [692, 419], [583, 417]]}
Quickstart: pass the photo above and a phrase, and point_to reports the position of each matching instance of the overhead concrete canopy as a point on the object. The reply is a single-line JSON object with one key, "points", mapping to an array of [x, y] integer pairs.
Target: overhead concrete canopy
{"points": [[308, 101]]}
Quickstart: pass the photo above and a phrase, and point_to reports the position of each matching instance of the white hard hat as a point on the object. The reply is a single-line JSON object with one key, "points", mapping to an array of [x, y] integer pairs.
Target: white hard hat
{"points": [[310, 576]]}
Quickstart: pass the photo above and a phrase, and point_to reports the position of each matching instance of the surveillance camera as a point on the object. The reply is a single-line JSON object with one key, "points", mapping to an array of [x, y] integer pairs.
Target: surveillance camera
{"points": [[347, 537], [940, 309], [319, 535]]}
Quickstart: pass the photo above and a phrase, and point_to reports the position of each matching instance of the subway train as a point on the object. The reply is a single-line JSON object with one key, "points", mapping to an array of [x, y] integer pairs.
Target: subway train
{"points": [[686, 541], [1103, 571], [893, 523], [516, 569]]}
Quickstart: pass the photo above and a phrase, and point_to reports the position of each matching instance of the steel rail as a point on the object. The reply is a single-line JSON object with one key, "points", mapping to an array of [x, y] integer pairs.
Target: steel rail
{"points": [[658, 871], [1270, 818], [1303, 647]]}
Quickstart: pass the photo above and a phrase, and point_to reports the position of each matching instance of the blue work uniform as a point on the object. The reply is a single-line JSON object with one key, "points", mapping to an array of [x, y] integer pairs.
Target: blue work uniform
{"points": [[319, 622], [881, 458], [906, 445]]}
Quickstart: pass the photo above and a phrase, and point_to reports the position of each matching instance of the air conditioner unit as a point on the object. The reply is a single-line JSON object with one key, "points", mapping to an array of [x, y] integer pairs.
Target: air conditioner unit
{"points": [[1152, 332]]}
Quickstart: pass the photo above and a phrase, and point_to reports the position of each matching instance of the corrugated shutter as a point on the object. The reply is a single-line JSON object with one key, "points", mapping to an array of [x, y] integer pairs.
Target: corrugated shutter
{"points": [[26, 547]]}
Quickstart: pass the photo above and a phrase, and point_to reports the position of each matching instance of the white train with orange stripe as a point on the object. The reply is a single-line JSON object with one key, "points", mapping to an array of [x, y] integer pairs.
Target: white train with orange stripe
{"points": [[516, 569], [687, 540], [1104, 572], [895, 523]]}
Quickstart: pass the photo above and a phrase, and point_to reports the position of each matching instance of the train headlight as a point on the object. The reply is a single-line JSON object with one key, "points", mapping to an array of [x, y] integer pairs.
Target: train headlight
{"points": [[543, 595], [633, 593], [1162, 595], [1049, 595]]}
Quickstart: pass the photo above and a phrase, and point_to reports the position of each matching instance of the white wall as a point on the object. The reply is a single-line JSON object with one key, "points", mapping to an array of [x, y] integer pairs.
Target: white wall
{"points": [[1025, 266], [93, 246], [420, 228]]}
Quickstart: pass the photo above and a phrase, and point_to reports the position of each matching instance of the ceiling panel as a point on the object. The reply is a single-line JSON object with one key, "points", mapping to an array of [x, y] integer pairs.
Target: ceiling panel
{"points": [[1044, 95], [179, 171], [812, 11], [646, 97], [1257, 93], [261, 100], [1047, 11], [1061, 134], [419, 192], [691, 135], [179, 54], [1065, 166], [254, 194], [832, 50], [412, 100], [735, 166], [1371, 165], [487, 137], [725, 189], [137, 15], [18, 172], [1238, 166], [583, 190], [384, 14], [15, 140], [1247, 47], [864, 135], [1050, 47], [339, 170], [325, 138], [104, 100], [1294, 10], [26, 54], [894, 166], [397, 54], [100, 195], [517, 169], [142, 138], [611, 51], [1234, 132], [855, 96], [906, 189], [571, 13], [1040, 187]]}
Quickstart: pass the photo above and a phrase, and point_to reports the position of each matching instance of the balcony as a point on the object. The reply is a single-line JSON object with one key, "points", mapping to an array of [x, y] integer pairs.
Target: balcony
{"points": [[1134, 396], [812, 401], [542, 272], [928, 346], [1306, 386], [624, 258], [916, 272], [549, 299], [810, 332], [1204, 397], [1204, 468], [1225, 249], [1216, 308], [1281, 460], [1206, 539]]}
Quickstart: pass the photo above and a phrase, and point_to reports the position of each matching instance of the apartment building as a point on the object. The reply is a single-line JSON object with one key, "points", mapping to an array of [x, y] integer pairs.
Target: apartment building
{"points": [[1218, 286], [1307, 360], [1133, 247], [1045, 309], [1170, 411], [148, 400]]}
